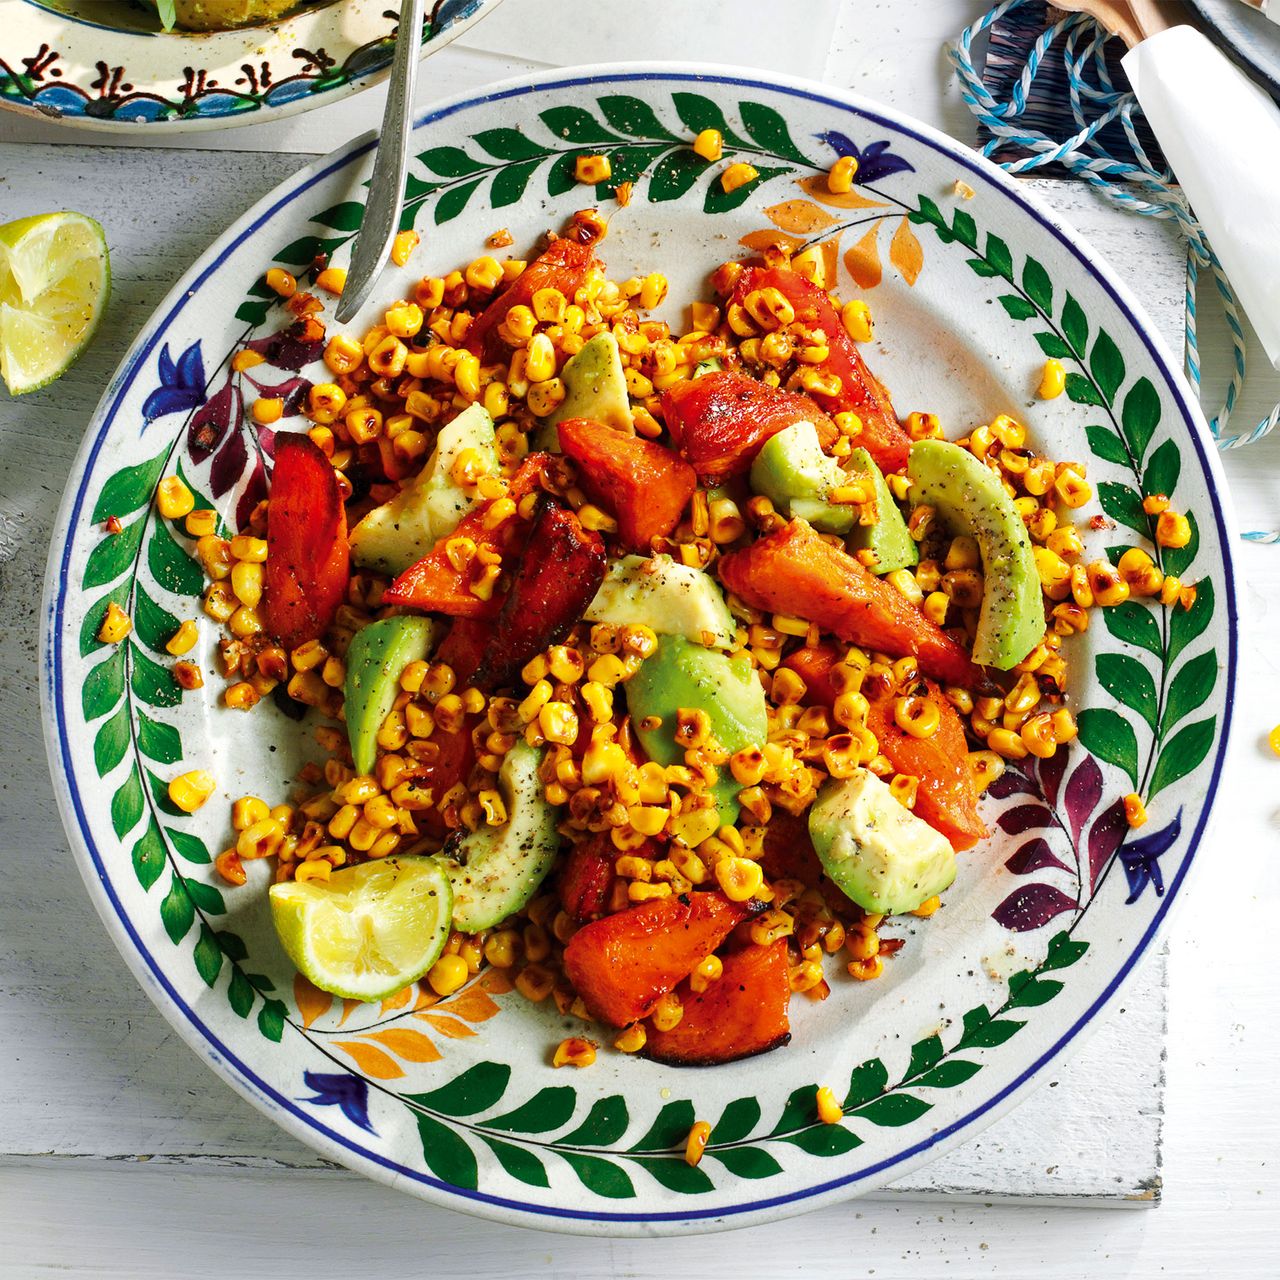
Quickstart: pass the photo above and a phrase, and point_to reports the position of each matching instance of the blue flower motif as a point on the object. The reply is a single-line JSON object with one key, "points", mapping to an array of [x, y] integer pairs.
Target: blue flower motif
{"points": [[348, 1092], [875, 161], [447, 12], [181, 385], [1140, 859]]}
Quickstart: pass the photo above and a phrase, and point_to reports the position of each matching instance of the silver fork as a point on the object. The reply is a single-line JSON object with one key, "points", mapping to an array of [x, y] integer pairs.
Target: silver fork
{"points": [[390, 165]]}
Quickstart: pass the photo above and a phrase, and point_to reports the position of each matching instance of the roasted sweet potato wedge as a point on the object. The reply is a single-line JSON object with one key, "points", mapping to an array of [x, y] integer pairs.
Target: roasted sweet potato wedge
{"points": [[794, 571], [623, 964], [586, 877], [560, 571], [435, 584], [645, 486], [308, 559], [947, 798], [453, 762], [813, 666], [788, 852], [463, 647], [720, 421], [744, 1012], [562, 265], [882, 434]]}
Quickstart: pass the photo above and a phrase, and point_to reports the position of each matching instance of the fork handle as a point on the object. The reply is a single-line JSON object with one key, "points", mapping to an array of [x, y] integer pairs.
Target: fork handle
{"points": [[390, 166]]}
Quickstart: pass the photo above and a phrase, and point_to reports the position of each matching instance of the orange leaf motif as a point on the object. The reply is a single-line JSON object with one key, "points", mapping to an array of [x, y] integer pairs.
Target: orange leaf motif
{"points": [[863, 260], [411, 1045], [348, 1008], [450, 1027], [495, 981], [830, 258], [398, 1000], [817, 188], [801, 216], [767, 239], [905, 252], [372, 1061], [472, 1004], [311, 1001]]}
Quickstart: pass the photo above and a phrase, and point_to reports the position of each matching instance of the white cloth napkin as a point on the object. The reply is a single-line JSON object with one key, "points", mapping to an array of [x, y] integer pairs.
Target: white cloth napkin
{"points": [[1221, 135]]}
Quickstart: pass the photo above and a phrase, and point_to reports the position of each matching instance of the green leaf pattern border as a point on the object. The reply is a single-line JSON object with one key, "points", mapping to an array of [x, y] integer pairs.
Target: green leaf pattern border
{"points": [[593, 1145]]}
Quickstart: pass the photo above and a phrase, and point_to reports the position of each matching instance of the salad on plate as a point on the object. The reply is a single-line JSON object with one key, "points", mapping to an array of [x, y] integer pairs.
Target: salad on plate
{"points": [[659, 665]]}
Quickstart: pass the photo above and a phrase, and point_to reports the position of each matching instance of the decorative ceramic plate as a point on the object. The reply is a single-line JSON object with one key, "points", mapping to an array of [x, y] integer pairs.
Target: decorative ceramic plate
{"points": [[455, 1099], [1251, 39], [106, 64]]}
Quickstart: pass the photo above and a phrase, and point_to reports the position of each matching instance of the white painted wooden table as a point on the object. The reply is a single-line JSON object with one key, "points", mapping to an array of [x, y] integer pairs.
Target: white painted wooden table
{"points": [[120, 1154]]}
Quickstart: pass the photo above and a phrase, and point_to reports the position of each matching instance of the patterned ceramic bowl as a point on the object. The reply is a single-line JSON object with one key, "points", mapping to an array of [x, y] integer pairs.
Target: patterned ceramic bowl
{"points": [[455, 1099], [106, 64]]}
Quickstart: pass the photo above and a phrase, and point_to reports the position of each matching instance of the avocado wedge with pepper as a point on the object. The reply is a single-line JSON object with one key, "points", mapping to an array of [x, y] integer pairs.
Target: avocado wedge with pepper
{"points": [[969, 498], [375, 658]]}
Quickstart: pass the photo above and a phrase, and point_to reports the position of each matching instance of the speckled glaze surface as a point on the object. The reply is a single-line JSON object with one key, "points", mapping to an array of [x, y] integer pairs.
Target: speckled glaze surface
{"points": [[107, 64], [455, 1099]]}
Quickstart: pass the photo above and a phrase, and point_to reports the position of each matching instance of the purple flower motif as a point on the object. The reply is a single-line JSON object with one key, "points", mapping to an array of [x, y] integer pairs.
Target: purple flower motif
{"points": [[1140, 859], [1012, 782], [181, 385], [347, 1092], [1032, 906], [215, 418], [286, 350], [875, 161]]}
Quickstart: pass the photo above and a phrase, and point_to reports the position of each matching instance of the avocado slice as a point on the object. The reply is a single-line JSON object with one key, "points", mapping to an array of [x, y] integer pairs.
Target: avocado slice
{"points": [[376, 656], [494, 871], [888, 539], [595, 387], [969, 497], [713, 365], [670, 597], [398, 533], [875, 849], [796, 476], [680, 674]]}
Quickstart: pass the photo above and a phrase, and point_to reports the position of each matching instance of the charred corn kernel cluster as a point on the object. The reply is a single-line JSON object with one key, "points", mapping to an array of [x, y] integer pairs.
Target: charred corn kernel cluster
{"points": [[1029, 718]]}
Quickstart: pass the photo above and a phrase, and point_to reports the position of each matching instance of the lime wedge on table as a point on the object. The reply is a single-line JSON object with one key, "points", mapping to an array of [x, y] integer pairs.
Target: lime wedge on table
{"points": [[369, 930], [54, 283]]}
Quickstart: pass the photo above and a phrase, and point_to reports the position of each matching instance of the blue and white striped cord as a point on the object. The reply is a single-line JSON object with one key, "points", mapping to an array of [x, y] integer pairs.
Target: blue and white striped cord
{"points": [[1132, 183]]}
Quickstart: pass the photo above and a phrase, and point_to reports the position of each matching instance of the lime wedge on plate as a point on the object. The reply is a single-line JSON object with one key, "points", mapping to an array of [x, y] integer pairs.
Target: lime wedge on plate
{"points": [[54, 283], [369, 930]]}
